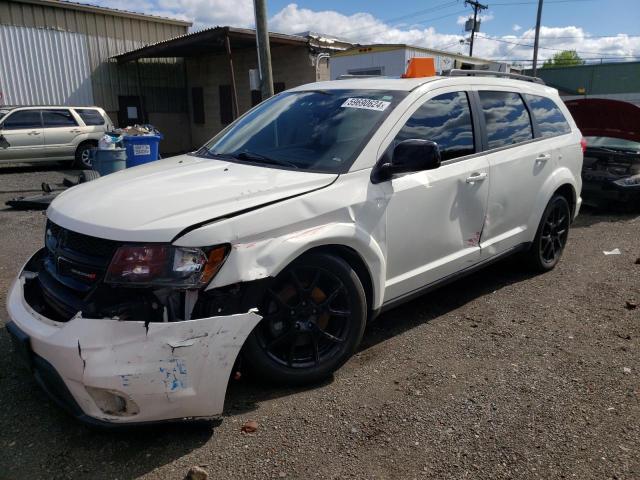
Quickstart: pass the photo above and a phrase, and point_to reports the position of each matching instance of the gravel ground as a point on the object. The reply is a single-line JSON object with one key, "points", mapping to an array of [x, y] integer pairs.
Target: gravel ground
{"points": [[499, 375]]}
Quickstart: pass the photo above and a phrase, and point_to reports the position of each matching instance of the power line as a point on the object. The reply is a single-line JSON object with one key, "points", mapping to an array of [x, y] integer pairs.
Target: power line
{"points": [[535, 3]]}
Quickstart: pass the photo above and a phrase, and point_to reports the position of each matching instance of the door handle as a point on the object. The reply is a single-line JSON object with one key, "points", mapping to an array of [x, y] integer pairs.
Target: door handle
{"points": [[477, 177], [542, 158], [75, 130], [34, 133]]}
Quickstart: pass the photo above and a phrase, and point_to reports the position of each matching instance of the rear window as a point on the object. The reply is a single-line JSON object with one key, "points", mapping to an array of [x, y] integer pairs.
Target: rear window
{"points": [[58, 118], [90, 116], [507, 118], [548, 116]]}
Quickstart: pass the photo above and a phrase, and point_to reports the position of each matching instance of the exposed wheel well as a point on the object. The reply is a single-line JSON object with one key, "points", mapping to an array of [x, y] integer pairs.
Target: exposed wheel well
{"points": [[356, 262], [569, 193], [87, 142]]}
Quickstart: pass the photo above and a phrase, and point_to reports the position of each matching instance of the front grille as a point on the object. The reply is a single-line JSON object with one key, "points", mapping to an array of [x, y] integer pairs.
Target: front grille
{"points": [[73, 265], [79, 243]]}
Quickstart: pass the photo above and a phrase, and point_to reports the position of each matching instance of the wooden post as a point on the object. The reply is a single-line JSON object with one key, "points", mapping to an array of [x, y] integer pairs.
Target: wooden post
{"points": [[236, 109]]}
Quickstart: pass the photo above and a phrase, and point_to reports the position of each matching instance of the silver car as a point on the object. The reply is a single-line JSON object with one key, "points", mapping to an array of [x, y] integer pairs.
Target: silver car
{"points": [[51, 133]]}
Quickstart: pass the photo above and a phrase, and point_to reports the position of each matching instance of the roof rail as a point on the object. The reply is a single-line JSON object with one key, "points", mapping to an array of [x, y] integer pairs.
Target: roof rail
{"points": [[352, 76], [491, 73]]}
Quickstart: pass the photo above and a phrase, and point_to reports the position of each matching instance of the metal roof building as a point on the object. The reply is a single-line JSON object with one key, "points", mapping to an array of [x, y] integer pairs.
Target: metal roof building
{"points": [[59, 52]]}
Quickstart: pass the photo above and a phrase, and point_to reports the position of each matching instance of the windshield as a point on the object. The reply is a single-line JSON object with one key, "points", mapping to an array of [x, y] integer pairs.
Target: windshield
{"points": [[613, 143], [320, 131]]}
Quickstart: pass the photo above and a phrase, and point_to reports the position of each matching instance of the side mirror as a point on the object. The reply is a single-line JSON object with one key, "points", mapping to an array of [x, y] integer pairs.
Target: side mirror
{"points": [[412, 155]]}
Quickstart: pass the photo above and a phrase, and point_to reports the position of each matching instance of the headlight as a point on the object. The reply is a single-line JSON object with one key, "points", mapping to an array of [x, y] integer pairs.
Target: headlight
{"points": [[632, 181], [165, 265]]}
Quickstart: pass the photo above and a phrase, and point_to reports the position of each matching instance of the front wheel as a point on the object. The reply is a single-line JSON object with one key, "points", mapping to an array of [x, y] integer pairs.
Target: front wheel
{"points": [[551, 237], [83, 155], [314, 317]]}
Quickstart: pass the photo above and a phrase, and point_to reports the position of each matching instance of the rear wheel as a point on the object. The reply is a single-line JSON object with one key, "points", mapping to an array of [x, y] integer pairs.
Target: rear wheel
{"points": [[314, 317], [83, 155], [551, 236]]}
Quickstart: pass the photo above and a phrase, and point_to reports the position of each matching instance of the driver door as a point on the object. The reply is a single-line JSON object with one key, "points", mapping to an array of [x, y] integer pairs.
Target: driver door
{"points": [[21, 136], [435, 217]]}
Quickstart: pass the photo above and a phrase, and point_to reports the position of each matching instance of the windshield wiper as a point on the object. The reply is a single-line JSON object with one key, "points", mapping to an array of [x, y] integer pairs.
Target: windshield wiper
{"points": [[259, 158]]}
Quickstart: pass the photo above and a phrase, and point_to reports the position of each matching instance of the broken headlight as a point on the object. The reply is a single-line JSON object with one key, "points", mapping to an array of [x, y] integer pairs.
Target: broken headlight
{"points": [[165, 265]]}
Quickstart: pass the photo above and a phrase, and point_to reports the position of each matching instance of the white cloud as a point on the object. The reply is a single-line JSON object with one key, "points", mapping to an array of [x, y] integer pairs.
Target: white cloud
{"points": [[365, 28]]}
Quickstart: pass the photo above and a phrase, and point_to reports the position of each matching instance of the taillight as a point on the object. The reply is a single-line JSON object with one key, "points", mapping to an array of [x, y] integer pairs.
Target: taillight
{"points": [[583, 144]]}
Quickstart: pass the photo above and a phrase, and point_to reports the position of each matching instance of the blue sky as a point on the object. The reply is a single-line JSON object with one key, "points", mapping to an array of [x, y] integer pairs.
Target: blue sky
{"points": [[595, 28]]}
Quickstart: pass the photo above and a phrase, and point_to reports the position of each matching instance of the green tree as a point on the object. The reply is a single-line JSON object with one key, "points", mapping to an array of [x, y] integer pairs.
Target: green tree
{"points": [[566, 58]]}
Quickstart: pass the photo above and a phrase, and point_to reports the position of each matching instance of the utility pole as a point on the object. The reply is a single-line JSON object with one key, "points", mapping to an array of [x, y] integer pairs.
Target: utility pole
{"points": [[535, 43], [476, 6], [264, 50]]}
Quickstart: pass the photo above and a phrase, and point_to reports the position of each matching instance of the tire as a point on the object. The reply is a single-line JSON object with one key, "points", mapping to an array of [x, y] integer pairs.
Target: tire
{"points": [[87, 175], [83, 159], [551, 236], [314, 316]]}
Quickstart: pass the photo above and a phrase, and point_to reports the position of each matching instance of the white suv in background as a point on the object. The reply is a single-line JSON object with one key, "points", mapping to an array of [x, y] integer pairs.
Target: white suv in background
{"points": [[283, 235], [52, 133]]}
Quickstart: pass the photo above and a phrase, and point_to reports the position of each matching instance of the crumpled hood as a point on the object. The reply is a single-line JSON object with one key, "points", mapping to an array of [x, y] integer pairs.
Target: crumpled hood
{"points": [[157, 201]]}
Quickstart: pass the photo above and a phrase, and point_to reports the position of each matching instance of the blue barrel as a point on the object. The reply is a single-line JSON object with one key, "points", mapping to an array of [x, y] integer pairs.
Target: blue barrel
{"points": [[141, 149], [108, 161]]}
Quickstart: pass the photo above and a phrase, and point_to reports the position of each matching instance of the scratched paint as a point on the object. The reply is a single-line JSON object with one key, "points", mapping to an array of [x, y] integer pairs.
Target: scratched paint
{"points": [[174, 376]]}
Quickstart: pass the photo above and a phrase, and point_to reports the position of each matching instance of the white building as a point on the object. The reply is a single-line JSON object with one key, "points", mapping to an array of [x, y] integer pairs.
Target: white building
{"points": [[392, 60]]}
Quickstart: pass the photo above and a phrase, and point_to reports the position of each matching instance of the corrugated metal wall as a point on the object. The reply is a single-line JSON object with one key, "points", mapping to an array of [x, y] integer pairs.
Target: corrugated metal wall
{"points": [[104, 36], [43, 66]]}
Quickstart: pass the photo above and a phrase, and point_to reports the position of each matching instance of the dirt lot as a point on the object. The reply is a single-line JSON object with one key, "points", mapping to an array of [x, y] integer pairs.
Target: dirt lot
{"points": [[499, 375]]}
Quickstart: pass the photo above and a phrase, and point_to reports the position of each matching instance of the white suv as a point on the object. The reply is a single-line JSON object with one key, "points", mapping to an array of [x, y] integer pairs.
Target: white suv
{"points": [[282, 236], [52, 133]]}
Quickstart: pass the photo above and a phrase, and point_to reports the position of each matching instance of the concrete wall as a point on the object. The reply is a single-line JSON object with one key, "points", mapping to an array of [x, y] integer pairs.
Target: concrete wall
{"points": [[291, 65]]}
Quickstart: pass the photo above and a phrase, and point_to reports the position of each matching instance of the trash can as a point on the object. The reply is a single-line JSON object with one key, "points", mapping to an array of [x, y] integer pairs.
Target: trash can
{"points": [[141, 149], [108, 161]]}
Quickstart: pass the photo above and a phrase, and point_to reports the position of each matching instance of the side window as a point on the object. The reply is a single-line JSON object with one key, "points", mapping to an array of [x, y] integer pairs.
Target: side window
{"points": [[446, 120], [548, 116], [22, 120], [58, 118], [508, 121], [90, 116]]}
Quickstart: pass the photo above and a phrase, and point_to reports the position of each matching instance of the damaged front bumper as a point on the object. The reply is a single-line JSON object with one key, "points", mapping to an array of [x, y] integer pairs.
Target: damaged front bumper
{"points": [[109, 372]]}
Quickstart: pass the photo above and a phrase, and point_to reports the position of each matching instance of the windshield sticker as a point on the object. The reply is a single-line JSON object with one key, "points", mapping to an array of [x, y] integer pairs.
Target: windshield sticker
{"points": [[366, 103]]}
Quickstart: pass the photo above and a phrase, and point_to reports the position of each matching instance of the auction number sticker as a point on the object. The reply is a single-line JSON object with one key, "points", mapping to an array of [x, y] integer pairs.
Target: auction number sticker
{"points": [[366, 103], [142, 149]]}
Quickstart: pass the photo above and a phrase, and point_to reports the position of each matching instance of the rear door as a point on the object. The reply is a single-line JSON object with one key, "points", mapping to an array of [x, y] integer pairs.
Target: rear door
{"points": [[21, 136], [518, 164], [60, 132]]}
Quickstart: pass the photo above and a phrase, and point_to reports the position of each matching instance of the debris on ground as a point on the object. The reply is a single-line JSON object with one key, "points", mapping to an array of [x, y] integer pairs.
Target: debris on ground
{"points": [[615, 251], [196, 473], [626, 370], [249, 427], [637, 261], [631, 305]]}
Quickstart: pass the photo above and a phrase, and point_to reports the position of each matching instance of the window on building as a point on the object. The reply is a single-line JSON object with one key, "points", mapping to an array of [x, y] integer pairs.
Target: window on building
{"points": [[366, 71], [446, 120], [58, 118], [226, 104], [23, 119], [90, 116], [508, 121], [548, 116], [197, 102]]}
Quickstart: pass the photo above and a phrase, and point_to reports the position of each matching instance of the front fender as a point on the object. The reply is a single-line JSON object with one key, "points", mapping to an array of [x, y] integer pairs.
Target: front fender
{"points": [[267, 258]]}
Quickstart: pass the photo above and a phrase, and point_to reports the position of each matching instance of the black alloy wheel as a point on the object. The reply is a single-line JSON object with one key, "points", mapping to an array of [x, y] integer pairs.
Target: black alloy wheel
{"points": [[552, 235], [314, 316]]}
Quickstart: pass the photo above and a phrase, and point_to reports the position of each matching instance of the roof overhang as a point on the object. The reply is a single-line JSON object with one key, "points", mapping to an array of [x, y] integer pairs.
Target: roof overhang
{"points": [[207, 42]]}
